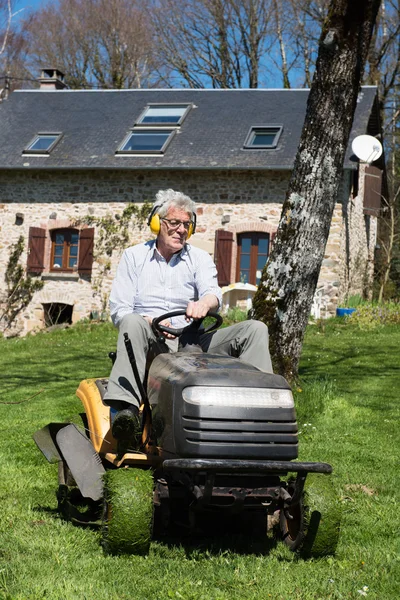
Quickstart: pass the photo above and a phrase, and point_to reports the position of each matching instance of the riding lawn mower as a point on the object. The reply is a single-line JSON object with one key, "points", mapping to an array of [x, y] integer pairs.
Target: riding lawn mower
{"points": [[219, 437]]}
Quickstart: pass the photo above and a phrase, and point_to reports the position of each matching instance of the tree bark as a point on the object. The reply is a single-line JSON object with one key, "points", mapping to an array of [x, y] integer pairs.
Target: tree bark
{"points": [[288, 282]]}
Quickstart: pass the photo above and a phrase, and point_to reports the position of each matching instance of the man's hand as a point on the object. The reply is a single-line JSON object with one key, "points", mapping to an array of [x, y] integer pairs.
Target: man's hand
{"points": [[168, 336], [199, 309]]}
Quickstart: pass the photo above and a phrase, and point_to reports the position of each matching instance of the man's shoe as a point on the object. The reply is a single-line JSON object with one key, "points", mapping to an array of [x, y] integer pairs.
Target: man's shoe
{"points": [[126, 427]]}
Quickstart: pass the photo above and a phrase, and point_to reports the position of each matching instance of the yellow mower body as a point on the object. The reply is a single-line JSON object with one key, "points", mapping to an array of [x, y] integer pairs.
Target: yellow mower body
{"points": [[99, 426]]}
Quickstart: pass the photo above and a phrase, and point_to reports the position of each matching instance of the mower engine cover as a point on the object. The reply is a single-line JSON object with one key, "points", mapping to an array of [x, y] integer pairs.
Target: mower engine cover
{"points": [[210, 406]]}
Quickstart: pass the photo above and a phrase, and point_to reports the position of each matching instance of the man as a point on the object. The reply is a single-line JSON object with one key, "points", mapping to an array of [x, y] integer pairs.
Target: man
{"points": [[160, 276]]}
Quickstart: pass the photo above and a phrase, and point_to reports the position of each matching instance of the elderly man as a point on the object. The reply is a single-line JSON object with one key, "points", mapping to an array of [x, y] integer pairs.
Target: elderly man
{"points": [[160, 276]]}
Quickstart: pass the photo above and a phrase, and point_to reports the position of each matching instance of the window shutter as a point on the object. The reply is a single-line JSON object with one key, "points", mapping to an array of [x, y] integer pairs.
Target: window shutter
{"points": [[223, 255], [272, 237], [85, 260], [372, 190], [36, 242]]}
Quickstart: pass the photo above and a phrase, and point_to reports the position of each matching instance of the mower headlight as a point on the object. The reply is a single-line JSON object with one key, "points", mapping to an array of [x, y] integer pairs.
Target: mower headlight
{"points": [[238, 396]]}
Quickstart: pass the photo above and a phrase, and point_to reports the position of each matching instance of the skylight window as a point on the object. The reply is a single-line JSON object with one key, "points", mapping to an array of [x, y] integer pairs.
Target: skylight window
{"points": [[146, 141], [43, 143], [166, 114], [262, 137]]}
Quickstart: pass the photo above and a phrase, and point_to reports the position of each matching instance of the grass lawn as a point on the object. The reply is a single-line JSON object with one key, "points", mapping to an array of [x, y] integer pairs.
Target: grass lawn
{"points": [[348, 415]]}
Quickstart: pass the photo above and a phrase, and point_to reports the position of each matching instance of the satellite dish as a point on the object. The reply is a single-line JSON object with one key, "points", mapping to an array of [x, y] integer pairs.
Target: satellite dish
{"points": [[366, 148]]}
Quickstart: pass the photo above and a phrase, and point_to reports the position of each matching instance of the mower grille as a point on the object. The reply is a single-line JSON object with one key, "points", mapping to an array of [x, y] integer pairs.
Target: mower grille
{"points": [[240, 438]]}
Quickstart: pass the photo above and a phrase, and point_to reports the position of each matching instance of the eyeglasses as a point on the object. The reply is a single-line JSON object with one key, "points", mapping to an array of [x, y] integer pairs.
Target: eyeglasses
{"points": [[175, 224]]}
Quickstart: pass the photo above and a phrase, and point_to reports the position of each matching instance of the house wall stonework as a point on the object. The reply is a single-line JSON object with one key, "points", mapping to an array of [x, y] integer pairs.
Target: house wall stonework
{"points": [[235, 200]]}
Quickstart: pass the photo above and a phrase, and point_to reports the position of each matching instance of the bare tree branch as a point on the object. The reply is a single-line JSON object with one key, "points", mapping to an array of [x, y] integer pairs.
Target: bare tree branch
{"points": [[104, 43]]}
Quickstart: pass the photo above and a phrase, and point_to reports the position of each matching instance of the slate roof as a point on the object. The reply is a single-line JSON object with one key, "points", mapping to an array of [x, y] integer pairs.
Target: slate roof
{"points": [[94, 123]]}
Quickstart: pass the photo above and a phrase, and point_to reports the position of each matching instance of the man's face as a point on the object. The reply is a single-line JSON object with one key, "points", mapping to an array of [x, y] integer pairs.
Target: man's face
{"points": [[171, 237]]}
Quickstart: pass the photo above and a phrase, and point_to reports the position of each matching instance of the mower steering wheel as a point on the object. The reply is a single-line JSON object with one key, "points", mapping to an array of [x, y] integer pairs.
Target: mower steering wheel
{"points": [[159, 329]]}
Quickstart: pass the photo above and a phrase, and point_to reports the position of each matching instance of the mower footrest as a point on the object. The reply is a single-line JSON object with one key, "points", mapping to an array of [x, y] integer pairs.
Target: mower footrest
{"points": [[243, 466]]}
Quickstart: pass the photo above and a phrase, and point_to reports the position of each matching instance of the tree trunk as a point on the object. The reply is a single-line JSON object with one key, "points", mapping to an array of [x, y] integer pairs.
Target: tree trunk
{"points": [[388, 247], [288, 282], [282, 49]]}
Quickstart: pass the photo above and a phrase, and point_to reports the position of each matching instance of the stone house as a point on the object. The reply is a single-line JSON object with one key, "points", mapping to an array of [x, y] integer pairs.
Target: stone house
{"points": [[66, 153]]}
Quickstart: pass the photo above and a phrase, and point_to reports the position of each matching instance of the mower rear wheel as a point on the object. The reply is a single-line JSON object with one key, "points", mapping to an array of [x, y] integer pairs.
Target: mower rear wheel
{"points": [[314, 529], [128, 511]]}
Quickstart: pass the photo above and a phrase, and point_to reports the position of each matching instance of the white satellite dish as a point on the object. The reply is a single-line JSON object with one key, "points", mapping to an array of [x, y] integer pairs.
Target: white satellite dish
{"points": [[366, 148]]}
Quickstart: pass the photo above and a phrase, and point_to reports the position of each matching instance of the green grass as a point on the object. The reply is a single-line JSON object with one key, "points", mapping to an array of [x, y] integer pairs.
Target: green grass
{"points": [[348, 416]]}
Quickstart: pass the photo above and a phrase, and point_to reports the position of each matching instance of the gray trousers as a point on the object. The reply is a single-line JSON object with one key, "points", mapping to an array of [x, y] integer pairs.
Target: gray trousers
{"points": [[247, 341]]}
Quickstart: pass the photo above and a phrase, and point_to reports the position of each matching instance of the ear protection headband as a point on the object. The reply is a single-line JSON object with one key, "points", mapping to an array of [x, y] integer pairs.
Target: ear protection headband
{"points": [[154, 222]]}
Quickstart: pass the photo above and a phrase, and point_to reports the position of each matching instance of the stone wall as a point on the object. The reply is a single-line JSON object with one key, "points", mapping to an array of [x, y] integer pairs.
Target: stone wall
{"points": [[239, 201]]}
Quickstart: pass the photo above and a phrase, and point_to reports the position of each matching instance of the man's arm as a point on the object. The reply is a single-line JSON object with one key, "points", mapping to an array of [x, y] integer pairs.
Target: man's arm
{"points": [[209, 292], [123, 291]]}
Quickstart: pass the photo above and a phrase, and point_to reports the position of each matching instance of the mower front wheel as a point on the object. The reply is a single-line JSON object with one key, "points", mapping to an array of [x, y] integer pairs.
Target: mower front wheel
{"points": [[314, 529], [128, 511]]}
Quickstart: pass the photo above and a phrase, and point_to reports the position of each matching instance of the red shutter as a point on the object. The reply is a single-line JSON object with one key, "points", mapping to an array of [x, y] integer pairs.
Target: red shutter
{"points": [[272, 237], [37, 239], [223, 255], [372, 191], [85, 259]]}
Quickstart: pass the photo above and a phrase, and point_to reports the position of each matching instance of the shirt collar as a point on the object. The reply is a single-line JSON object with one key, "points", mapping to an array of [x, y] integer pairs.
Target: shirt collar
{"points": [[182, 254]]}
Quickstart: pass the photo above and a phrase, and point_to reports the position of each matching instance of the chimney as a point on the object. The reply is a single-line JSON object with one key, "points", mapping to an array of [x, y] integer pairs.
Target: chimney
{"points": [[5, 91], [52, 79]]}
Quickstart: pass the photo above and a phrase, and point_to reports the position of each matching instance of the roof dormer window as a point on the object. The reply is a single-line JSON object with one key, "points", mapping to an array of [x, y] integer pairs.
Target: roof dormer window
{"points": [[261, 137], [42, 143], [164, 114]]}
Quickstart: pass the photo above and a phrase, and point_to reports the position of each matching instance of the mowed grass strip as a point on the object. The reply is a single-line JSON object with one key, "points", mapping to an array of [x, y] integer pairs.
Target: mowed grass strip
{"points": [[348, 415]]}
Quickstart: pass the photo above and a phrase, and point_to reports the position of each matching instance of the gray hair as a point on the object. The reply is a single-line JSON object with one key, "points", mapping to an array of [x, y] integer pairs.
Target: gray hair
{"points": [[165, 199]]}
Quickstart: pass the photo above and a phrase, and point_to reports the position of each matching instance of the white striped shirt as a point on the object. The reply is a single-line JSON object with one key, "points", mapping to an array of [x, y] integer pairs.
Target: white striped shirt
{"points": [[148, 285]]}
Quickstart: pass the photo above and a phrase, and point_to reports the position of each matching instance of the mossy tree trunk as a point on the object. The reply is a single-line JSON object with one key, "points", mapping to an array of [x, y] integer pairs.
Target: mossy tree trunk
{"points": [[289, 279]]}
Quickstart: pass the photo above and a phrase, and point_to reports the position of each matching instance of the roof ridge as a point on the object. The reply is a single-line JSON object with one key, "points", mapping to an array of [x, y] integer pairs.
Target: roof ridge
{"points": [[222, 90]]}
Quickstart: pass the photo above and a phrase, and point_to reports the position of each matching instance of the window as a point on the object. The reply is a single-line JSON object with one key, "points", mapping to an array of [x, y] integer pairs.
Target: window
{"points": [[253, 249], [166, 114], [263, 137], [64, 250], [43, 143], [56, 313], [60, 250], [144, 141]]}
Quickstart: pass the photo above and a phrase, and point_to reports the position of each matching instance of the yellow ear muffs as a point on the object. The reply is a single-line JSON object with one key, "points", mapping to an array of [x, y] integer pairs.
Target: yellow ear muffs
{"points": [[155, 224]]}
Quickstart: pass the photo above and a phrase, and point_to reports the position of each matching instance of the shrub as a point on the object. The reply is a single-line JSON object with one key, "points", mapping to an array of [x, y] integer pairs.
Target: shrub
{"points": [[234, 315], [20, 286], [371, 316], [355, 301]]}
